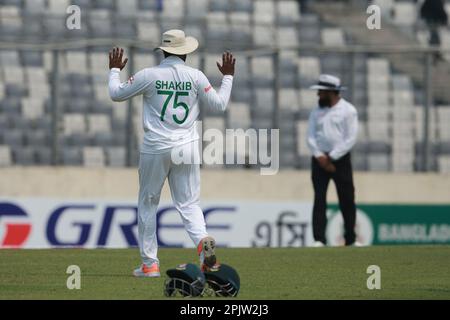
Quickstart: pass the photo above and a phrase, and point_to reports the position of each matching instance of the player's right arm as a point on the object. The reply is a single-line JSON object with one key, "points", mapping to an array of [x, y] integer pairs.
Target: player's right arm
{"points": [[135, 85], [323, 159], [218, 100]]}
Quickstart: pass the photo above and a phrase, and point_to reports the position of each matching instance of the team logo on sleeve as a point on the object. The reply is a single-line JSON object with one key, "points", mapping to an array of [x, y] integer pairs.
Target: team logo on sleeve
{"points": [[208, 88]]}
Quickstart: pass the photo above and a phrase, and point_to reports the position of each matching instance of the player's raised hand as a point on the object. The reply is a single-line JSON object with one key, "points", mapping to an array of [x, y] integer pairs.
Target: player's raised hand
{"points": [[228, 62], [115, 59]]}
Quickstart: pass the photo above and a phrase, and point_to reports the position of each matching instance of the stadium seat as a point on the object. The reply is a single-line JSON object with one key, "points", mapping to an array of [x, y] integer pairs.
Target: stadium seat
{"points": [[100, 23], [36, 138], [217, 30], [55, 26], [443, 116], [74, 123], [32, 108], [287, 69], [76, 62], [213, 123], [262, 71], [301, 138], [242, 5], [238, 149], [333, 37], [378, 162], [419, 121], [13, 75], [288, 12], [148, 31], [444, 164], [32, 59], [116, 156], [309, 29], [24, 156], [210, 69], [238, 116], [379, 113], [378, 131], [34, 6], [405, 14], [242, 73], [264, 103], [143, 60], [98, 123], [13, 138], [9, 58], [196, 9], [58, 7], [36, 75], [308, 99], [5, 156], [264, 12], [105, 4], [287, 37], [93, 157], [241, 31], [386, 7], [171, 11], [10, 21], [262, 35], [71, 156], [288, 99], [127, 8], [308, 70]]}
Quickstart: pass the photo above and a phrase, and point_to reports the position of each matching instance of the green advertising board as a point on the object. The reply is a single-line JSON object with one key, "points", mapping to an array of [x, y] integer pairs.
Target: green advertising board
{"points": [[387, 224]]}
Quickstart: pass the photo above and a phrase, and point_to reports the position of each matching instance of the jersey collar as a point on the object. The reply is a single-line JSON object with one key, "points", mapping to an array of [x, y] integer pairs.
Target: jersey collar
{"points": [[171, 60]]}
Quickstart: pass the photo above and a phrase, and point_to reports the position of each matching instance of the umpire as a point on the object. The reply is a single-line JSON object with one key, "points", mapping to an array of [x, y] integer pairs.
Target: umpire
{"points": [[332, 132]]}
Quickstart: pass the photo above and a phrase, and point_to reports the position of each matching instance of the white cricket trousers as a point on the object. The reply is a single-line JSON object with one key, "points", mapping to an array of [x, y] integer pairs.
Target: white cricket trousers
{"points": [[184, 183]]}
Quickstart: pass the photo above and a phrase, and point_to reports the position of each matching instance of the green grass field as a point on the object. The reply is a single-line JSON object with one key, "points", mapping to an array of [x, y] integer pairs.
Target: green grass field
{"points": [[407, 272]]}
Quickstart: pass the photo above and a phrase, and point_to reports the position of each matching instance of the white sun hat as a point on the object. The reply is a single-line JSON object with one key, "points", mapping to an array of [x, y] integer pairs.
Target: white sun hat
{"points": [[328, 82], [175, 42]]}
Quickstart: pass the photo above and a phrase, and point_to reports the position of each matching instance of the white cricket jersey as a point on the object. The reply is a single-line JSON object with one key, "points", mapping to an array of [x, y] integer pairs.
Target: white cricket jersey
{"points": [[171, 92], [333, 130]]}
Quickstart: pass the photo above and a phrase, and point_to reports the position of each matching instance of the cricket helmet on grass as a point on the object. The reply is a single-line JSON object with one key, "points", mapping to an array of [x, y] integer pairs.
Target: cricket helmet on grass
{"points": [[185, 279], [224, 280]]}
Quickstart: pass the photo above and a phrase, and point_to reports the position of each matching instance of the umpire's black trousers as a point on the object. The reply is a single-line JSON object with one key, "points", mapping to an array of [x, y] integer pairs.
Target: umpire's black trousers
{"points": [[343, 179]]}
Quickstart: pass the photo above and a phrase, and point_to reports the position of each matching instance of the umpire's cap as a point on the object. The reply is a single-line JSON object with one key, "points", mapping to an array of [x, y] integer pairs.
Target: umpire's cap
{"points": [[328, 82]]}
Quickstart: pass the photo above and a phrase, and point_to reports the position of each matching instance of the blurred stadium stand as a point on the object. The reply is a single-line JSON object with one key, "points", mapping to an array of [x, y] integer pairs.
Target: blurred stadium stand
{"points": [[389, 90]]}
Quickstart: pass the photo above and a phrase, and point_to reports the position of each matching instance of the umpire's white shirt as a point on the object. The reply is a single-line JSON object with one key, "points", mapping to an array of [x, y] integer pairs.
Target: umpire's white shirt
{"points": [[333, 130], [171, 92]]}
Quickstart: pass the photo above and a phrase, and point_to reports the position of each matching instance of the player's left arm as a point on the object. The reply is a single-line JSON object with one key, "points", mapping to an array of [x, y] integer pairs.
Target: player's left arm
{"points": [[218, 100], [351, 135], [118, 91]]}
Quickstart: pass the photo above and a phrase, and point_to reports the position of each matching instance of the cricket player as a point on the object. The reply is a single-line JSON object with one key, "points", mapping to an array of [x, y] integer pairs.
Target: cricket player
{"points": [[171, 93]]}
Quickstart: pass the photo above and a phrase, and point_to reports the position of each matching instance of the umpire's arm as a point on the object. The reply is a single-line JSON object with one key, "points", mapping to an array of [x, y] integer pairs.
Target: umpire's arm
{"points": [[349, 141]]}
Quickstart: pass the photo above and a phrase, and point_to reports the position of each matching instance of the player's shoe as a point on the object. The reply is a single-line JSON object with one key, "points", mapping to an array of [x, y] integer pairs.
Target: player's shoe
{"points": [[318, 244], [207, 252], [151, 271], [357, 244]]}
